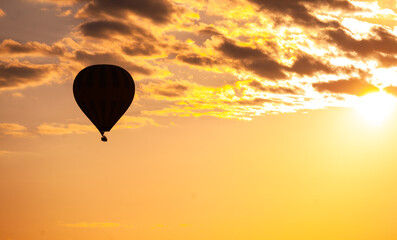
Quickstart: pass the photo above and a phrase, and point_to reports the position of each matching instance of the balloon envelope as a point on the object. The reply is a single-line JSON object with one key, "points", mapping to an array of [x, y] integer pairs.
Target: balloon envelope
{"points": [[104, 93]]}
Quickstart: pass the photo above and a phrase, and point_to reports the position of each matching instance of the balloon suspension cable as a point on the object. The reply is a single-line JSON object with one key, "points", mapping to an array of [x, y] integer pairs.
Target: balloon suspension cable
{"points": [[104, 138]]}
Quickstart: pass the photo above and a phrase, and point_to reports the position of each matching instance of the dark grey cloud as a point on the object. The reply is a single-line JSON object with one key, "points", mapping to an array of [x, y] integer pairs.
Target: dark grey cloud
{"points": [[274, 89], [104, 29], [308, 65], [140, 49], [260, 63], [387, 60], [209, 31], [381, 41], [250, 102], [142, 42], [299, 12], [231, 50], [110, 28], [196, 59], [353, 86], [18, 75], [110, 58], [159, 11], [253, 60], [10, 46], [266, 68], [172, 90]]}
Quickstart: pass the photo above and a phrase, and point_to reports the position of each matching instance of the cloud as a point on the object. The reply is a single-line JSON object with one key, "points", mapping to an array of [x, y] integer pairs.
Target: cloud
{"points": [[229, 101], [9, 46], [166, 90], [91, 225], [64, 13], [17, 95], [126, 122], [20, 75], [180, 111], [129, 122], [209, 31], [110, 58], [60, 3], [387, 60], [254, 60], [299, 10], [391, 90], [63, 129], [308, 65], [196, 59], [104, 29], [14, 129], [172, 90], [267, 68], [250, 102], [2, 152], [134, 40], [2, 13], [258, 56], [351, 86], [111, 28], [231, 50], [380, 40], [143, 48], [274, 89], [158, 11]]}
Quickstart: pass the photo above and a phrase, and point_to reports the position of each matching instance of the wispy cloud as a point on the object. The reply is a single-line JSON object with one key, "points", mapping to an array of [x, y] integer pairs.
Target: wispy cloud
{"points": [[3, 152], [62, 129], [158, 11], [349, 86], [91, 225], [2, 13], [126, 122], [14, 129], [129, 122], [57, 2]]}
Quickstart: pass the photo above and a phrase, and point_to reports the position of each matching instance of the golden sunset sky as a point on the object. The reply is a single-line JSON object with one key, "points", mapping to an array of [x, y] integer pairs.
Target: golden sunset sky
{"points": [[252, 120]]}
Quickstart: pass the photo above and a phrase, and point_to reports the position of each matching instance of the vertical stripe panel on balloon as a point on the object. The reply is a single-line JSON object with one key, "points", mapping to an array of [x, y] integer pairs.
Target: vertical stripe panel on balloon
{"points": [[115, 79], [119, 110], [107, 92], [100, 85], [88, 91], [127, 79], [95, 115], [115, 95], [85, 107], [102, 77], [128, 87], [102, 109], [89, 78], [120, 98]]}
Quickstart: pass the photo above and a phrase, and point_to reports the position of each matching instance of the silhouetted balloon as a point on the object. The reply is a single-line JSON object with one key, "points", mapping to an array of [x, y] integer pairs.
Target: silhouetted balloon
{"points": [[104, 93]]}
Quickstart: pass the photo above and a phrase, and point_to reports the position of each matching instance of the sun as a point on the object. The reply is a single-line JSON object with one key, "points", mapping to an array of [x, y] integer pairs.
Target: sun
{"points": [[375, 108]]}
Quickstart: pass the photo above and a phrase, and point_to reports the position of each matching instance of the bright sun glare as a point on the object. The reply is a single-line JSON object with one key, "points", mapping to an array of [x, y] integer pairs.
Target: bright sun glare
{"points": [[375, 108]]}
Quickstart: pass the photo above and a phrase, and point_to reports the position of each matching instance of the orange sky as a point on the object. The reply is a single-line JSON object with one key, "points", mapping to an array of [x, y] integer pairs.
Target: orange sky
{"points": [[252, 119]]}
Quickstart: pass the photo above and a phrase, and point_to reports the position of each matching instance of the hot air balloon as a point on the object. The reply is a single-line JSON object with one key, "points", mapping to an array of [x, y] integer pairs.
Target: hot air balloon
{"points": [[103, 93]]}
